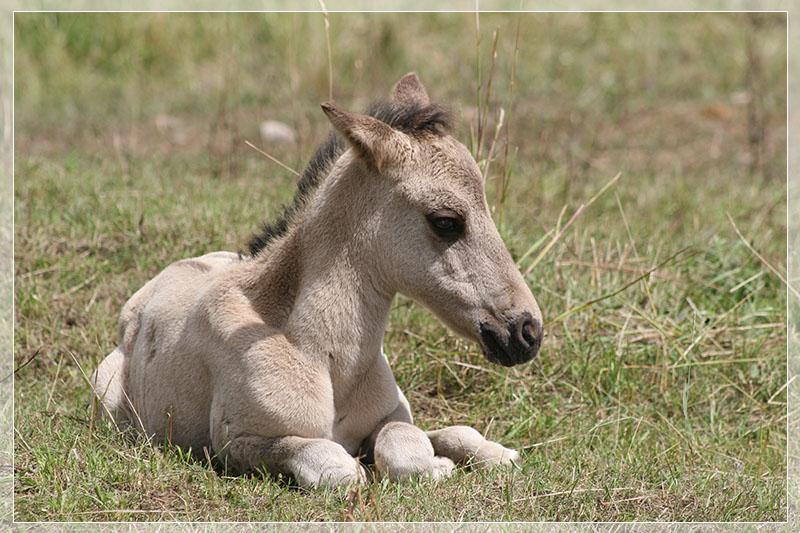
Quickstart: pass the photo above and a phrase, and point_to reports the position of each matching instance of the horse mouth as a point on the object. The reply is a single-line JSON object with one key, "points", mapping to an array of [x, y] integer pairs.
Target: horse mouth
{"points": [[510, 346]]}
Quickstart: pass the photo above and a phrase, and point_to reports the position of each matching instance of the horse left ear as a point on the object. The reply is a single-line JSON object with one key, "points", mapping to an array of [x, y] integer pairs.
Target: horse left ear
{"points": [[375, 141], [409, 89]]}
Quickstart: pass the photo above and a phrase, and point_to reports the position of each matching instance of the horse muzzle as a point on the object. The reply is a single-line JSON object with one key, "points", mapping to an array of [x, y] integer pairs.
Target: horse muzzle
{"points": [[516, 342]]}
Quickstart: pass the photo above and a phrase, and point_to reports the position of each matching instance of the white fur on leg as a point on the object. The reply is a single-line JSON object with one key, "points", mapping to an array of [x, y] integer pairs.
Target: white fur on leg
{"points": [[312, 462], [464, 444], [403, 451], [323, 463]]}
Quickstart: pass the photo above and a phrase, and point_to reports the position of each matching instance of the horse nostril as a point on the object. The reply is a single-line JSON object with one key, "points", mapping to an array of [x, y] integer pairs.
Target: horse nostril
{"points": [[527, 330], [532, 330], [527, 334], [518, 342]]}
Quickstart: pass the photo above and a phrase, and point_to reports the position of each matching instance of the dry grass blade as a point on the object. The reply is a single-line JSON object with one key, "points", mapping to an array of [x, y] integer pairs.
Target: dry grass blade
{"points": [[543, 443], [613, 293], [271, 158], [569, 493], [535, 246], [490, 156], [609, 267], [478, 134], [23, 365], [76, 288], [53, 385], [510, 104], [721, 362], [762, 259], [88, 383], [572, 219], [484, 118]]}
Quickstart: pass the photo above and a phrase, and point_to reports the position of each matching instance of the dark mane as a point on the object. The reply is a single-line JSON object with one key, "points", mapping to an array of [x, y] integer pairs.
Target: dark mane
{"points": [[406, 117]]}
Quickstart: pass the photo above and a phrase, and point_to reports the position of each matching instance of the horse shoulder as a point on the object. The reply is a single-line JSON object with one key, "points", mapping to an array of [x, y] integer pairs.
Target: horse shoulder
{"points": [[263, 384], [239, 338]]}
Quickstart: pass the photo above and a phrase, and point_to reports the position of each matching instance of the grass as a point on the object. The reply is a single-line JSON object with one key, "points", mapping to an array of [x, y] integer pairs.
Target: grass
{"points": [[666, 401]]}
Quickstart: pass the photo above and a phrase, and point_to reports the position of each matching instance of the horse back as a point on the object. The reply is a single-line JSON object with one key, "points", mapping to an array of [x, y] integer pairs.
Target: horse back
{"points": [[173, 289]]}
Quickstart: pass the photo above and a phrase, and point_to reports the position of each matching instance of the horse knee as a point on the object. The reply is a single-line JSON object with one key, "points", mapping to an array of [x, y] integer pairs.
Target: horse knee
{"points": [[312, 462], [324, 463], [403, 451]]}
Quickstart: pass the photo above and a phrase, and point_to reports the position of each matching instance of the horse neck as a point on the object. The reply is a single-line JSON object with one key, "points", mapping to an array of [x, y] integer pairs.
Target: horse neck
{"points": [[338, 315], [340, 307]]}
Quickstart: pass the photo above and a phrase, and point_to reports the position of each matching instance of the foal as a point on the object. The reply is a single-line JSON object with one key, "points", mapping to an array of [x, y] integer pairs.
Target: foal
{"points": [[275, 360]]}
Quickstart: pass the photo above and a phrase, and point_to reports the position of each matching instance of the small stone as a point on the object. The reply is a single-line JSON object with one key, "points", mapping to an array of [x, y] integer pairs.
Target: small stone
{"points": [[273, 131]]}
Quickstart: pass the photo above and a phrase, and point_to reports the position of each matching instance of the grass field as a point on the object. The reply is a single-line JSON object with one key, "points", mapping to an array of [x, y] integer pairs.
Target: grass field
{"points": [[663, 402]]}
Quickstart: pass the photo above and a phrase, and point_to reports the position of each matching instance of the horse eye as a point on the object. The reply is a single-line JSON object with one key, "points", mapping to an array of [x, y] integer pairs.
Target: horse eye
{"points": [[447, 224], [444, 224]]}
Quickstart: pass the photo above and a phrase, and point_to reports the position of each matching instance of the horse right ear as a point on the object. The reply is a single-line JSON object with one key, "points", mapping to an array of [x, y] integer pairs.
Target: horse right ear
{"points": [[409, 89], [375, 141]]}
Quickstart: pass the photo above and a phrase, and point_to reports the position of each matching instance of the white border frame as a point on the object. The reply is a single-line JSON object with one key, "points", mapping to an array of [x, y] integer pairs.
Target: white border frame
{"points": [[335, 6]]}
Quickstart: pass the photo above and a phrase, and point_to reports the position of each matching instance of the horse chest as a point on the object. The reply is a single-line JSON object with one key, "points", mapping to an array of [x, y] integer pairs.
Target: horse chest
{"points": [[369, 400], [349, 434], [352, 427]]}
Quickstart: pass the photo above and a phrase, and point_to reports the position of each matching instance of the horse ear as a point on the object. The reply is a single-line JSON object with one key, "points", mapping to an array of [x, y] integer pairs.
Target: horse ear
{"points": [[375, 141], [409, 89]]}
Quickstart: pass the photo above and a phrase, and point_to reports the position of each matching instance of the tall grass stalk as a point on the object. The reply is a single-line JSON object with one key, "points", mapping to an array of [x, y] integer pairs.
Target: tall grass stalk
{"points": [[619, 290], [476, 134], [505, 175], [328, 47], [483, 114]]}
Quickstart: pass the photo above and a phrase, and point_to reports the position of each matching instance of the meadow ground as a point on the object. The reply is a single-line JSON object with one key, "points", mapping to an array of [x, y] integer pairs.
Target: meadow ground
{"points": [[663, 402]]}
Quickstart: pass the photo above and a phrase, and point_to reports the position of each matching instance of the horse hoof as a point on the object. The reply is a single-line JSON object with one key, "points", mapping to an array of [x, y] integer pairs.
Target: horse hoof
{"points": [[338, 475], [441, 467], [496, 455]]}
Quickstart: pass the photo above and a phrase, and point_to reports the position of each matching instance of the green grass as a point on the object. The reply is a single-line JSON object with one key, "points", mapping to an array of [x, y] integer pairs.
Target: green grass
{"points": [[665, 402]]}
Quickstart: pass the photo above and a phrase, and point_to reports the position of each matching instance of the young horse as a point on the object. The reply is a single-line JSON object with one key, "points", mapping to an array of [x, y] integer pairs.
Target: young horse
{"points": [[275, 360]]}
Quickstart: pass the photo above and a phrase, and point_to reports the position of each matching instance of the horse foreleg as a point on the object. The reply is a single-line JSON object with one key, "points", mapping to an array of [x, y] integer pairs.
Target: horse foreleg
{"points": [[312, 462], [463, 444], [402, 450]]}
